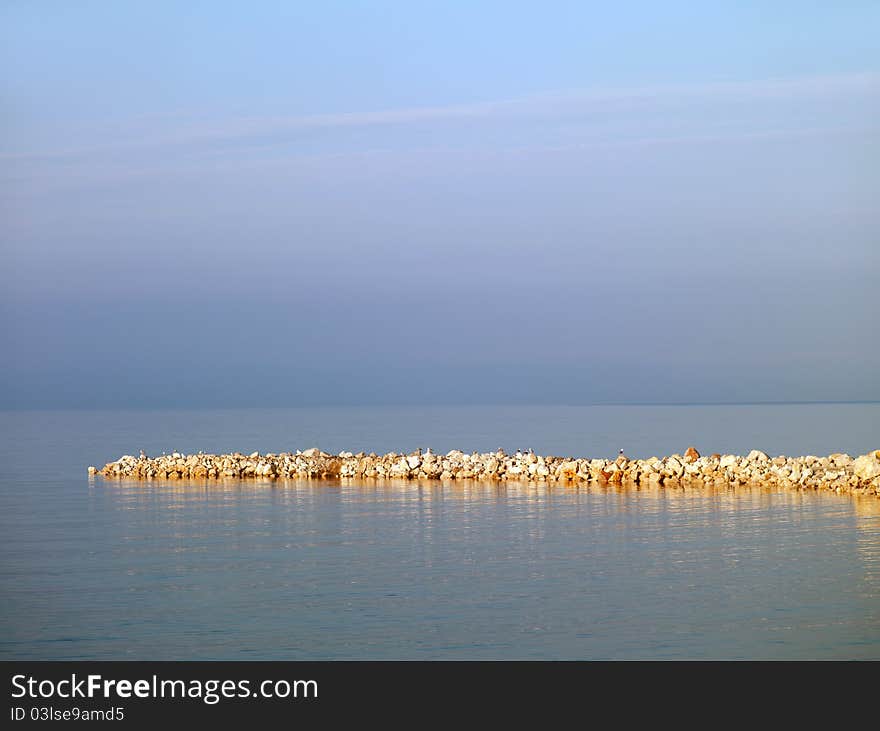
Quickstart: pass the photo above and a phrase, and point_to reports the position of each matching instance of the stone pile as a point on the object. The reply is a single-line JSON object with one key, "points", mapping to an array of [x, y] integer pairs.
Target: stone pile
{"points": [[838, 472]]}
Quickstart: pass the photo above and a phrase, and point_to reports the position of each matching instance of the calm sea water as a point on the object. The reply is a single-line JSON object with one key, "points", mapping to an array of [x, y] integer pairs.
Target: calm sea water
{"points": [[318, 570]]}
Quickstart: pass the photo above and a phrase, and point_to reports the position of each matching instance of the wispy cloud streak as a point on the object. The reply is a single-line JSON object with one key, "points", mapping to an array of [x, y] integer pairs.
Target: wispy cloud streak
{"points": [[556, 105]]}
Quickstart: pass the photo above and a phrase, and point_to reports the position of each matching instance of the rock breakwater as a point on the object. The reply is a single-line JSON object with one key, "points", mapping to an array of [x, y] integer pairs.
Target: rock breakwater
{"points": [[837, 472]]}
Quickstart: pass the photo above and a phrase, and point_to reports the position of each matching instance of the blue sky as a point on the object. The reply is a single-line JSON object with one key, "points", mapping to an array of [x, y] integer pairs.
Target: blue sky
{"points": [[248, 204]]}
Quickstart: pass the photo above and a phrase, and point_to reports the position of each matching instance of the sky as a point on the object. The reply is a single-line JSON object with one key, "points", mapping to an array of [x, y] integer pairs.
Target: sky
{"points": [[211, 204]]}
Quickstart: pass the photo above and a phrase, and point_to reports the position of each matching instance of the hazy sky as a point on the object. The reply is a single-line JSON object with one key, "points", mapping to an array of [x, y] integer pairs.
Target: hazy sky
{"points": [[290, 203]]}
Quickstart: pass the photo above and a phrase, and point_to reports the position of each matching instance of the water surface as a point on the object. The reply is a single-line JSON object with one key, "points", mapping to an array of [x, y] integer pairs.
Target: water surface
{"points": [[324, 570]]}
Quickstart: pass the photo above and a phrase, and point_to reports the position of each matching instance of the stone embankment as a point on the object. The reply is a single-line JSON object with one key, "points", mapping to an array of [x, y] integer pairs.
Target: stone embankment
{"points": [[838, 472]]}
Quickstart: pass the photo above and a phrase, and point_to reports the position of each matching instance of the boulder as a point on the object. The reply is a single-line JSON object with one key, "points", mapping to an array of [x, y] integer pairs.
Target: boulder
{"points": [[674, 467], [867, 467], [691, 455]]}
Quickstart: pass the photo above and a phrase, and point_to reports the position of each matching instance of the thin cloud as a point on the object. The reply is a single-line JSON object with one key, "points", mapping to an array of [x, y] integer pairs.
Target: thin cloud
{"points": [[416, 159], [550, 105]]}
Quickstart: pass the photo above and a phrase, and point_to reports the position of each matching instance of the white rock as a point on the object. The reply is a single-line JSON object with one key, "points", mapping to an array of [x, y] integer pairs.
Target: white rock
{"points": [[674, 467], [867, 467]]}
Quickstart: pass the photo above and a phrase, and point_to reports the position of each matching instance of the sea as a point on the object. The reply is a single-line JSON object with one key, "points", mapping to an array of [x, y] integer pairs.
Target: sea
{"points": [[395, 570]]}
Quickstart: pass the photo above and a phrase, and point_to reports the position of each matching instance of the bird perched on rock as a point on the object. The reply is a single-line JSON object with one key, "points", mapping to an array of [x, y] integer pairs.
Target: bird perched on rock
{"points": [[621, 457]]}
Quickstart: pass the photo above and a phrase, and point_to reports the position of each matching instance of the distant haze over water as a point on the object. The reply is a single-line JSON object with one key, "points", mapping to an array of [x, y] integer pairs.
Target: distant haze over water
{"points": [[87, 437]]}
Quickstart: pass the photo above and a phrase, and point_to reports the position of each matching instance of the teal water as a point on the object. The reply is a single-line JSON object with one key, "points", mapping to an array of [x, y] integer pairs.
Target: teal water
{"points": [[316, 570]]}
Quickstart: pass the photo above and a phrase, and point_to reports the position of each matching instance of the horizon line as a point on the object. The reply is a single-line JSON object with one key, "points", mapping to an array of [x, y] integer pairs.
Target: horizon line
{"points": [[19, 409]]}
